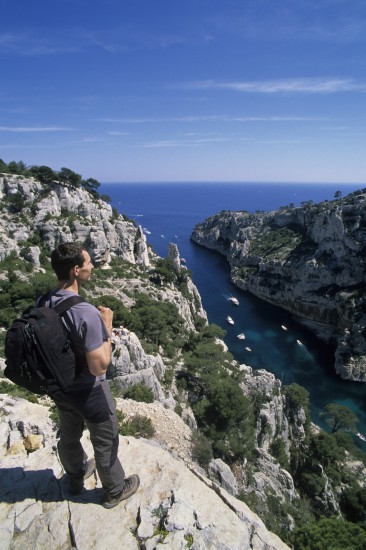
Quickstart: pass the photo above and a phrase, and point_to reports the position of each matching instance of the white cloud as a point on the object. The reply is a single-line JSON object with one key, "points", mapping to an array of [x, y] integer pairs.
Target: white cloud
{"points": [[288, 86], [183, 143], [26, 129], [118, 133], [212, 118]]}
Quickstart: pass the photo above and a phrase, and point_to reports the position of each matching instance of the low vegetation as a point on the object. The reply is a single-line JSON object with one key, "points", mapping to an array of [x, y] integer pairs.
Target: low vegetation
{"points": [[136, 426], [224, 415], [276, 242], [47, 176]]}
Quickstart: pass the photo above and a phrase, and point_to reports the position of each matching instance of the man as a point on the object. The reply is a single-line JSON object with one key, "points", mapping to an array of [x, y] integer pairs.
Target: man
{"points": [[89, 400]]}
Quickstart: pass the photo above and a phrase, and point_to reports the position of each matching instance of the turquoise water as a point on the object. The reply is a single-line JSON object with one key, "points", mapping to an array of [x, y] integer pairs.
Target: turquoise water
{"points": [[168, 213]]}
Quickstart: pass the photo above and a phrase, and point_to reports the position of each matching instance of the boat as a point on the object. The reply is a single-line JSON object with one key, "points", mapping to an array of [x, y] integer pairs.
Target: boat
{"points": [[241, 336], [234, 300], [299, 342], [361, 436], [248, 348], [283, 327], [229, 320]]}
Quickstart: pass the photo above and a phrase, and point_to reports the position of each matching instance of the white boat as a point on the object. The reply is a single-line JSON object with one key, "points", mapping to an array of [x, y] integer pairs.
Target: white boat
{"points": [[283, 327], [299, 342], [361, 436], [234, 300], [241, 336], [229, 320], [248, 348]]}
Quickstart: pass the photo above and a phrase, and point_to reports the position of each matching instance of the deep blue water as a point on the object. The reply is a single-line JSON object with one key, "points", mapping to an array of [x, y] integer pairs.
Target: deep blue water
{"points": [[168, 213]]}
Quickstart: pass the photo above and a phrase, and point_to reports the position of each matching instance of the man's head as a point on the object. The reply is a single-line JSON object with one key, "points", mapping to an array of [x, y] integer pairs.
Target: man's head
{"points": [[71, 261]]}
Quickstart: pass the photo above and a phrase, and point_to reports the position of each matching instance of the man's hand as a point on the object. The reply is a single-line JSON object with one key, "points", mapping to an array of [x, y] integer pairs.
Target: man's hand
{"points": [[107, 316]]}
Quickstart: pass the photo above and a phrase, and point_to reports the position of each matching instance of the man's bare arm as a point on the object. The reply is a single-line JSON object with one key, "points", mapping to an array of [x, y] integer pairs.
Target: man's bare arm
{"points": [[100, 358]]}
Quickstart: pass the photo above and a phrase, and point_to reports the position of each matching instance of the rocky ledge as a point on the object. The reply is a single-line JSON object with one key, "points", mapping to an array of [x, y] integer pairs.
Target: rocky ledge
{"points": [[175, 507], [309, 261]]}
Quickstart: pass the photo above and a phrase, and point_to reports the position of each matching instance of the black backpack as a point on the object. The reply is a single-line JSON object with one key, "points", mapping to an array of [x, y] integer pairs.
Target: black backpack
{"points": [[38, 351]]}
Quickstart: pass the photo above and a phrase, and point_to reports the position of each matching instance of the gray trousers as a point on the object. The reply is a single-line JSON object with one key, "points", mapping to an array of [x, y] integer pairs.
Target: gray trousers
{"points": [[97, 410]]}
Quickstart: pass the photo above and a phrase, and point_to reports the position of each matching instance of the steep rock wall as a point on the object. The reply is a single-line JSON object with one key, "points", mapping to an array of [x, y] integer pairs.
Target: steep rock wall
{"points": [[310, 261]]}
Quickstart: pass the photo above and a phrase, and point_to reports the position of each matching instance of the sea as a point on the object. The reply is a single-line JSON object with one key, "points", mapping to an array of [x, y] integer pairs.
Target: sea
{"points": [[168, 212]]}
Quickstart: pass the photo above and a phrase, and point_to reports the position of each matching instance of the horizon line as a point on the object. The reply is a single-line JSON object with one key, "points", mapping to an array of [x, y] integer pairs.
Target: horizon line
{"points": [[249, 182]]}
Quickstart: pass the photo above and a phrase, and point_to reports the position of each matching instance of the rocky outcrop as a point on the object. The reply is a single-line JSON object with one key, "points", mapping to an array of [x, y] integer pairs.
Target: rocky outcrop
{"points": [[276, 418], [60, 213], [171, 431], [308, 260], [173, 254], [221, 473], [191, 289], [175, 507], [131, 365]]}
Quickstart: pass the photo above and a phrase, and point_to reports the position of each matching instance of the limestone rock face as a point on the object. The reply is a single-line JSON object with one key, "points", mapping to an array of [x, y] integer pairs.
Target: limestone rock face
{"points": [[131, 365], [32, 255], [276, 419], [269, 478], [220, 472], [173, 254], [174, 507], [60, 213], [310, 261]]}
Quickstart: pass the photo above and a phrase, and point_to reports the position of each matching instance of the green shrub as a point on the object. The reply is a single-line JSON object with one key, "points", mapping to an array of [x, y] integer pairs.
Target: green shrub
{"points": [[54, 415], [2, 343], [17, 391], [201, 449], [137, 426], [222, 411], [297, 396], [156, 323], [329, 534], [164, 268], [18, 295], [168, 377], [278, 450], [16, 202], [139, 392], [353, 503]]}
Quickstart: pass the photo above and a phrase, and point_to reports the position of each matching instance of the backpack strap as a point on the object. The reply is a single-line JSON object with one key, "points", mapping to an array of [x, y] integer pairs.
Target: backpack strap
{"points": [[63, 306], [66, 304]]}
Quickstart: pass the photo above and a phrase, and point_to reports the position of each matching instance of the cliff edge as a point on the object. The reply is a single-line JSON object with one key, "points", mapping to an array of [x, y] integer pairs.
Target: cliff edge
{"points": [[176, 506]]}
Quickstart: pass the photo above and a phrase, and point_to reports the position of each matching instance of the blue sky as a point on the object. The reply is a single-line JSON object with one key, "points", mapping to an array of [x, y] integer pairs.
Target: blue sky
{"points": [[188, 90]]}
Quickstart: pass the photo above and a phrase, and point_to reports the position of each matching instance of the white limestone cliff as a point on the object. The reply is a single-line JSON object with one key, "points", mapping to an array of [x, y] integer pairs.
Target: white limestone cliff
{"points": [[60, 213]]}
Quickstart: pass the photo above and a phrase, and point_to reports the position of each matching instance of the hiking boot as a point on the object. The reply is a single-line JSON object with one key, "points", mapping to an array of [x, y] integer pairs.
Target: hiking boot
{"points": [[130, 487], [76, 484]]}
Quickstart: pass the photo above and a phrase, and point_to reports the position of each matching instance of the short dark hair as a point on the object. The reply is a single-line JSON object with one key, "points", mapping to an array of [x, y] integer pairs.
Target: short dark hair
{"points": [[65, 257]]}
